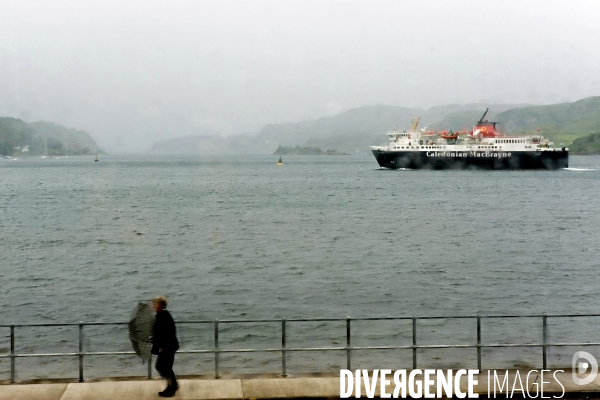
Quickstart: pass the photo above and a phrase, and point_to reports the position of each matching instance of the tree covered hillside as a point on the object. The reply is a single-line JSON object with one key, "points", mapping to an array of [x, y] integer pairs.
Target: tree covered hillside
{"points": [[354, 130], [73, 141], [562, 123], [589, 144], [19, 137], [357, 129], [16, 134], [465, 120]]}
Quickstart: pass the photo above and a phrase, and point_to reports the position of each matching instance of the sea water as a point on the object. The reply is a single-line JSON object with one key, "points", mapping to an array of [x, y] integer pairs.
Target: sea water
{"points": [[238, 237]]}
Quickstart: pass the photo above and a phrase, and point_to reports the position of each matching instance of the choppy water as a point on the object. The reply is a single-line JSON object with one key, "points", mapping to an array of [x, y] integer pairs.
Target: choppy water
{"points": [[237, 237]]}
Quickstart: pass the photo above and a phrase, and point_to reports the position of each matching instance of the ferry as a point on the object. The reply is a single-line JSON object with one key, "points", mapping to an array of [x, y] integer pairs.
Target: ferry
{"points": [[481, 148]]}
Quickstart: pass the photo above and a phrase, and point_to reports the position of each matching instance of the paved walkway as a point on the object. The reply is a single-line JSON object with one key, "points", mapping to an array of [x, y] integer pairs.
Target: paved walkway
{"points": [[272, 388]]}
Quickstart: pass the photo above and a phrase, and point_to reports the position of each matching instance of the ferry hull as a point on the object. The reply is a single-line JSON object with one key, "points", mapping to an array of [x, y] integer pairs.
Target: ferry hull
{"points": [[549, 160]]}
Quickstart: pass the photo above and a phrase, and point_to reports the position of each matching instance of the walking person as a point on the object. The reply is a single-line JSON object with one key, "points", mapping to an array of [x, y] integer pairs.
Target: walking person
{"points": [[165, 344]]}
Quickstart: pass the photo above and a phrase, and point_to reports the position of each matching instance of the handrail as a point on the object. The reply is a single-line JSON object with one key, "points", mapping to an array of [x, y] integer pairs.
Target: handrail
{"points": [[216, 350], [381, 318]]}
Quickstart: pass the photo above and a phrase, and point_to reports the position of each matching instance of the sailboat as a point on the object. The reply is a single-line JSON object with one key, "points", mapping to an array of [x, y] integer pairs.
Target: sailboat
{"points": [[50, 156], [45, 155], [280, 162], [96, 159]]}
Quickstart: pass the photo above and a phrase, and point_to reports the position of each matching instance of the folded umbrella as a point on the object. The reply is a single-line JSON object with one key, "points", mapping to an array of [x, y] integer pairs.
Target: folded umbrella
{"points": [[140, 329]]}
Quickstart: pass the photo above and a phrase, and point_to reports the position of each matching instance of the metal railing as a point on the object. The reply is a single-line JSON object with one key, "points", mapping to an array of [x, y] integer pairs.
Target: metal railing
{"points": [[283, 350]]}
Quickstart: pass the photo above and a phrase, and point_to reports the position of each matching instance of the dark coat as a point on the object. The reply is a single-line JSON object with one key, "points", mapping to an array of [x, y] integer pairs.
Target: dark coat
{"points": [[165, 334]]}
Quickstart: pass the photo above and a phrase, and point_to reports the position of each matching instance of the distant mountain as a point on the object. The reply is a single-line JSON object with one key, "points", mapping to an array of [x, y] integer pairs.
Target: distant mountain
{"points": [[16, 134], [561, 122], [345, 132], [554, 114], [589, 144], [349, 131], [356, 129], [72, 139], [460, 117], [19, 137], [462, 120]]}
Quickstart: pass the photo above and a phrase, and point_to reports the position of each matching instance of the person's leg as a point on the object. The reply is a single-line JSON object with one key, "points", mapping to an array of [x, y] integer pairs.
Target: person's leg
{"points": [[169, 371], [164, 365], [174, 383], [160, 364]]}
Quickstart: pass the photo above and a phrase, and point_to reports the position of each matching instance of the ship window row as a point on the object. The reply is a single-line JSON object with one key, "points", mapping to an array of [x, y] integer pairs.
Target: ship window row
{"points": [[489, 147], [510, 141], [419, 147]]}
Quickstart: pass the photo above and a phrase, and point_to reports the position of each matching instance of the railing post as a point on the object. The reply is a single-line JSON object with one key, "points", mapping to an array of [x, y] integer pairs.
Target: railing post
{"points": [[348, 342], [283, 352], [80, 351], [150, 367], [217, 349], [479, 342], [544, 317], [414, 326], [12, 353]]}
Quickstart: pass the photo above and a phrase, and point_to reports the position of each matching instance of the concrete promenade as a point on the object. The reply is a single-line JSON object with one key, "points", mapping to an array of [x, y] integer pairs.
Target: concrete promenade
{"points": [[279, 388]]}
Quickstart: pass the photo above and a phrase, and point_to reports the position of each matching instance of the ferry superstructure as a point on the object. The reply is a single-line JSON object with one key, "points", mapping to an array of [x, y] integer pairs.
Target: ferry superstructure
{"points": [[482, 148]]}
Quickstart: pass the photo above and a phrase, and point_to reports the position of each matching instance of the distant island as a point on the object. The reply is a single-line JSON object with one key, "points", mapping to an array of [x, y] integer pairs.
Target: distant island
{"points": [[308, 150]]}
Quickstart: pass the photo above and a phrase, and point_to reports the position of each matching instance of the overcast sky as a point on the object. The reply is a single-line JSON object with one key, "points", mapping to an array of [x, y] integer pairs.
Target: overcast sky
{"points": [[133, 72]]}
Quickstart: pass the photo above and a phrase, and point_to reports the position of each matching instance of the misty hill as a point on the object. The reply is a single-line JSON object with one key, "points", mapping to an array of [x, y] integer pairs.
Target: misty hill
{"points": [[560, 122], [462, 120], [72, 139], [589, 144], [357, 129], [355, 123], [15, 135], [459, 117], [349, 131], [350, 124]]}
